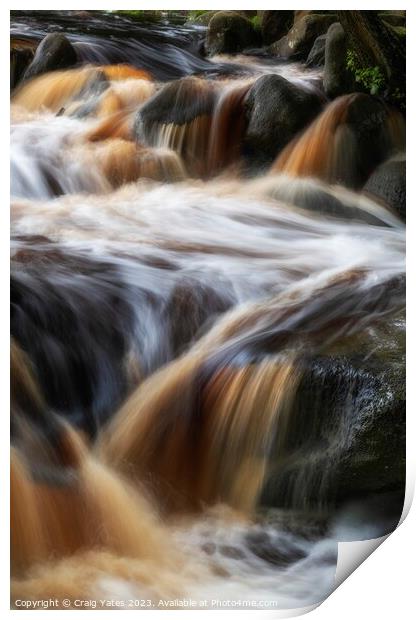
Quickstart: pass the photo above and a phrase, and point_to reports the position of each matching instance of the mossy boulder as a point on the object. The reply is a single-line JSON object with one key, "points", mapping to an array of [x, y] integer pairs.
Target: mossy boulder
{"points": [[229, 32], [276, 110], [299, 40], [346, 435], [54, 52]]}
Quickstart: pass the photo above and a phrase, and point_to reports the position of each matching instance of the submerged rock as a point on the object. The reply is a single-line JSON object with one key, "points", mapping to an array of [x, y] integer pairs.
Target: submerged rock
{"points": [[229, 32], [299, 40], [346, 434], [388, 183], [54, 52], [276, 110]]}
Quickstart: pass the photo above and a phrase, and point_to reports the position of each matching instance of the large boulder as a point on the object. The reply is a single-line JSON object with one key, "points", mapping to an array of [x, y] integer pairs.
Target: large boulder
{"points": [[54, 52], [346, 437], [388, 184], [300, 38], [178, 102], [316, 57], [354, 134], [187, 107], [337, 79], [276, 110], [374, 131], [229, 32], [275, 24]]}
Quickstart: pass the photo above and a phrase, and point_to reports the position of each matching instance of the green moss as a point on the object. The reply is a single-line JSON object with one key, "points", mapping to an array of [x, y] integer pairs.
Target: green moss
{"points": [[144, 16], [195, 14], [371, 78], [400, 30], [255, 20]]}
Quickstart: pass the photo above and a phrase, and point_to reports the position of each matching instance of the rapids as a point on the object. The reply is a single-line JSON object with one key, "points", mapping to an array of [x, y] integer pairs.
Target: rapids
{"points": [[164, 301]]}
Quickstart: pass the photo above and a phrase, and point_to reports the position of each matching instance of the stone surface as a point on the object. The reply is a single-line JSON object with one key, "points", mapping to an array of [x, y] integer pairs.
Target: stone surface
{"points": [[275, 24], [337, 79], [299, 40], [276, 110], [54, 52], [388, 184], [229, 32], [316, 57], [346, 435]]}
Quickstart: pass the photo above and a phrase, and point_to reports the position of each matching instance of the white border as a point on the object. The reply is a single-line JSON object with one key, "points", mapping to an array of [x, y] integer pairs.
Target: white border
{"points": [[383, 585]]}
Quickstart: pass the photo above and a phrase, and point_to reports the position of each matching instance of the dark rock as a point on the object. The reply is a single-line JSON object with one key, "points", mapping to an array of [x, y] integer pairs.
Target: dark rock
{"points": [[232, 552], [337, 79], [276, 110], [316, 57], [21, 55], [300, 38], [191, 307], [388, 184], [316, 197], [278, 552], [84, 334], [54, 52], [346, 437], [369, 120], [275, 24], [179, 102], [228, 32]]}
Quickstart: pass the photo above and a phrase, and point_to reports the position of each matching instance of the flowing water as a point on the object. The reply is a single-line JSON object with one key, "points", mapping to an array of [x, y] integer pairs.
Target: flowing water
{"points": [[163, 305]]}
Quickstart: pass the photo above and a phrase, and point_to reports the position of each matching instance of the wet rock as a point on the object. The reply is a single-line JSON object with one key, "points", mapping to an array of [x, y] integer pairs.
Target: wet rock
{"points": [[316, 197], [316, 57], [277, 552], [300, 38], [276, 110], [232, 552], [368, 123], [209, 548], [337, 79], [178, 102], [388, 184], [54, 52], [21, 55], [190, 307], [275, 24], [78, 309], [346, 438], [228, 32]]}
